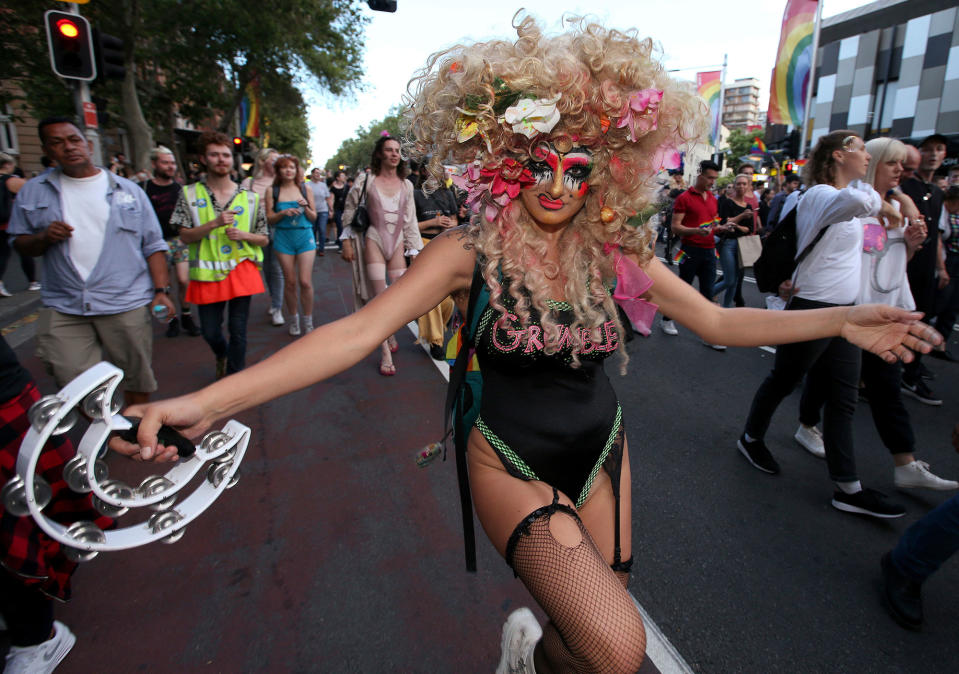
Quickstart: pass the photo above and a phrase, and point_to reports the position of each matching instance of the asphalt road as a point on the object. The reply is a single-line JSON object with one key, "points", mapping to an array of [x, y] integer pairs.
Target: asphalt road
{"points": [[336, 553]]}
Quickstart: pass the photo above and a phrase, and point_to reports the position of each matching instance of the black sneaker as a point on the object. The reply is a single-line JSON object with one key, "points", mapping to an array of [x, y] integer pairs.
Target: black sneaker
{"points": [[758, 454], [920, 392], [436, 352], [189, 326], [867, 502], [173, 327]]}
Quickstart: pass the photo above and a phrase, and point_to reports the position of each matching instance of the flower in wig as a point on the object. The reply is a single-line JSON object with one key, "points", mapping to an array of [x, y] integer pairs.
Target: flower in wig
{"points": [[640, 112]]}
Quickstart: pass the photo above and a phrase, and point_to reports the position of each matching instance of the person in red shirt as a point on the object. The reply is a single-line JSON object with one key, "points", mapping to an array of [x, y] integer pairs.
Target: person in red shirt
{"points": [[696, 220]]}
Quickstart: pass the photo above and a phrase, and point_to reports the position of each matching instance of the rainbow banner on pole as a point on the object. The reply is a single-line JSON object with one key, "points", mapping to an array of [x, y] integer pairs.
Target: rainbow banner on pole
{"points": [[709, 85], [791, 76], [758, 146], [250, 110]]}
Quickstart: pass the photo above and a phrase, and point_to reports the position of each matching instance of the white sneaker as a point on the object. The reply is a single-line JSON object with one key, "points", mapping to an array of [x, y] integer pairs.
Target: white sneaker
{"points": [[714, 347], [917, 474], [4, 292], [307, 325], [295, 325], [44, 657], [277, 316], [669, 328], [521, 633], [34, 286], [810, 438]]}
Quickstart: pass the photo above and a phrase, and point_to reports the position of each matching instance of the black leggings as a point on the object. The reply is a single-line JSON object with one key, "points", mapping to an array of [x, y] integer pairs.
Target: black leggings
{"points": [[27, 611], [831, 367], [26, 262]]}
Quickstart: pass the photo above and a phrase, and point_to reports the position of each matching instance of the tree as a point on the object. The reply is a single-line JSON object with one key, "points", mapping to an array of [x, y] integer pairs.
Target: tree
{"points": [[739, 143], [355, 152], [194, 59]]}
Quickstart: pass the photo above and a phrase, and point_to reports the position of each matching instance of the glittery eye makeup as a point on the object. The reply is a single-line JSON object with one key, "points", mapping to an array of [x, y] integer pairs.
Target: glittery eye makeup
{"points": [[577, 165]]}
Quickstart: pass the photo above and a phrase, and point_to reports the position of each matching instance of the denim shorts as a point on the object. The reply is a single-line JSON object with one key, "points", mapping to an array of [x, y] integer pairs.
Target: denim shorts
{"points": [[293, 240]]}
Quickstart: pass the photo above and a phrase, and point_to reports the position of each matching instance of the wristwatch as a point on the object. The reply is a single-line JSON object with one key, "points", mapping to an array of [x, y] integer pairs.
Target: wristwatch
{"points": [[165, 290]]}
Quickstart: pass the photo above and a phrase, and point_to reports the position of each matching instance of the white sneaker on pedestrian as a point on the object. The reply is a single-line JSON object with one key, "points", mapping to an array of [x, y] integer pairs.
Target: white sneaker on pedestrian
{"points": [[295, 325], [277, 316], [307, 325], [4, 292], [521, 633], [44, 657], [917, 474], [810, 438], [34, 286], [714, 347], [669, 327]]}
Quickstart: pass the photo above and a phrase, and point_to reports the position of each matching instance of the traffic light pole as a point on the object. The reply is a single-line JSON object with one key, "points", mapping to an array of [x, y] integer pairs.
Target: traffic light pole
{"points": [[81, 95]]}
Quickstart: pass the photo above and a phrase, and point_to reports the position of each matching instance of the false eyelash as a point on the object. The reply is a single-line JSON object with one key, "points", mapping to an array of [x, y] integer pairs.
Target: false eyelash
{"points": [[541, 170]]}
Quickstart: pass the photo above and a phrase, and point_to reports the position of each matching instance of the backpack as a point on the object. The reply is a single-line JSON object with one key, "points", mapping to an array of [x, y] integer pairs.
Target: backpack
{"points": [[463, 396], [778, 260]]}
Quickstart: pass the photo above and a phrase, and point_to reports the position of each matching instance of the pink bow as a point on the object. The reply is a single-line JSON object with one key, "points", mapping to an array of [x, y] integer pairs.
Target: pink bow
{"points": [[631, 283]]}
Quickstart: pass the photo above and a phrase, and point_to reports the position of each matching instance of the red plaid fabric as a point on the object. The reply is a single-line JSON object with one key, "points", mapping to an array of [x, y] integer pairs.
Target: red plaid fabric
{"points": [[24, 548]]}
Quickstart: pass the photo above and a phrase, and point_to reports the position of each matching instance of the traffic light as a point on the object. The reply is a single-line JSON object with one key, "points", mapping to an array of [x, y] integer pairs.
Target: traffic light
{"points": [[382, 5], [237, 143], [108, 51], [71, 46]]}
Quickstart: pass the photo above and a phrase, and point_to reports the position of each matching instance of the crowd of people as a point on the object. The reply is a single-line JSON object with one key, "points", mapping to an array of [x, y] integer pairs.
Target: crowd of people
{"points": [[555, 168]]}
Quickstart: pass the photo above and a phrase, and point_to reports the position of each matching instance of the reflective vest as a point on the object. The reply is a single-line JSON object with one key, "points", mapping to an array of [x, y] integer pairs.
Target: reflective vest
{"points": [[213, 257]]}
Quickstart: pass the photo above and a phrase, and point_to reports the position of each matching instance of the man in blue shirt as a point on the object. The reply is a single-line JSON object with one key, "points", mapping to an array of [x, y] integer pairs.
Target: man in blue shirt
{"points": [[104, 263]]}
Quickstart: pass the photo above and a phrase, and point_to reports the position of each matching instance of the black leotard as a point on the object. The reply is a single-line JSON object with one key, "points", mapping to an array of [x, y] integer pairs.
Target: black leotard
{"points": [[545, 419]]}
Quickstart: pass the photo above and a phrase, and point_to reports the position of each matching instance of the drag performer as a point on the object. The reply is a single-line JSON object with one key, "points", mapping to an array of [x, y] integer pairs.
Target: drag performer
{"points": [[564, 137]]}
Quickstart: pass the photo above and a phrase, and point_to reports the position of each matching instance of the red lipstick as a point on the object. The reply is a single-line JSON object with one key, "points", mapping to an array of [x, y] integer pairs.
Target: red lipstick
{"points": [[550, 204]]}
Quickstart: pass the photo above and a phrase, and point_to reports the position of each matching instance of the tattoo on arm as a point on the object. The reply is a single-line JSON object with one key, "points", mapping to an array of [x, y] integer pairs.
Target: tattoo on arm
{"points": [[464, 236]]}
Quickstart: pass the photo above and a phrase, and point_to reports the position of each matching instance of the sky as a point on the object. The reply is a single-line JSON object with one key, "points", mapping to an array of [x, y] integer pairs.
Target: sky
{"points": [[694, 35]]}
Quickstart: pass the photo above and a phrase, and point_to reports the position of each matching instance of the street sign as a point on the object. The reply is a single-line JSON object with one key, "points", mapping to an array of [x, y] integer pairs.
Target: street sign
{"points": [[90, 115]]}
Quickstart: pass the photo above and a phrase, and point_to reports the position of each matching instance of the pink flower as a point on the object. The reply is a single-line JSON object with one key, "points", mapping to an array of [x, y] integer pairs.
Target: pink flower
{"points": [[640, 112], [502, 182], [666, 157]]}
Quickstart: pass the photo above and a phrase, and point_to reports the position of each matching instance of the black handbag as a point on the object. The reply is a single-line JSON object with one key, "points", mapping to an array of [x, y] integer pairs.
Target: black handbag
{"points": [[361, 217]]}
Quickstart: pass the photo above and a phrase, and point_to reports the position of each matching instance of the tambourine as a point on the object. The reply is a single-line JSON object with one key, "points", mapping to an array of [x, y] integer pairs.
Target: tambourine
{"points": [[95, 393]]}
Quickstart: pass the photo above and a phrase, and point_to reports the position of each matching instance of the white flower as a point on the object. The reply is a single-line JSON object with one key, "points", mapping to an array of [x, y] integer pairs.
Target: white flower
{"points": [[531, 117]]}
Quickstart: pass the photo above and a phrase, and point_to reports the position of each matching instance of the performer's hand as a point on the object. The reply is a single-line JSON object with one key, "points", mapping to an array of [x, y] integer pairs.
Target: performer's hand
{"points": [[185, 414], [132, 451], [347, 252], [889, 332]]}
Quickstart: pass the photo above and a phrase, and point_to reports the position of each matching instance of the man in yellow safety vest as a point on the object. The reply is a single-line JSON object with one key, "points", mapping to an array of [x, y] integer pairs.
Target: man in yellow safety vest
{"points": [[225, 228]]}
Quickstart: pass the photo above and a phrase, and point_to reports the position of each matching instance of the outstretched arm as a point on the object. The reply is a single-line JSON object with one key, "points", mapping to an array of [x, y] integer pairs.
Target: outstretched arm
{"points": [[444, 266], [889, 332]]}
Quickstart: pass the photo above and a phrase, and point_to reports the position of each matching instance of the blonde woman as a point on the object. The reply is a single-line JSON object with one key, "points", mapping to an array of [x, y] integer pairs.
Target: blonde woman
{"points": [[260, 182], [564, 136]]}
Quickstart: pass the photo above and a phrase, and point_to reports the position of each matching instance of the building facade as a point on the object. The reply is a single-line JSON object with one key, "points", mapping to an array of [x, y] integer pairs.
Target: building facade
{"points": [[741, 103], [889, 68]]}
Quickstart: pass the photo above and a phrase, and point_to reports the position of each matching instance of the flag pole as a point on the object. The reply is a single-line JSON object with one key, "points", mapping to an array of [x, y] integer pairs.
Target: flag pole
{"points": [[812, 81], [717, 141]]}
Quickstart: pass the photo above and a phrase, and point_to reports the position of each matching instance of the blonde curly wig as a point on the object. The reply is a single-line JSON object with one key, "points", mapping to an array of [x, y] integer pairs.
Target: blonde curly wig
{"points": [[594, 71]]}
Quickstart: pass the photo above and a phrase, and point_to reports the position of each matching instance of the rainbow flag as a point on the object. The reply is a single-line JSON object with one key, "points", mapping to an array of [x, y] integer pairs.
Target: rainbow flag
{"points": [[250, 110], [679, 257], [758, 146], [791, 76], [708, 86]]}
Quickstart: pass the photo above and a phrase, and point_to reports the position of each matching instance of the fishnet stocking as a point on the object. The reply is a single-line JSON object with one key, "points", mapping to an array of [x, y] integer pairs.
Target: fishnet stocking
{"points": [[594, 625]]}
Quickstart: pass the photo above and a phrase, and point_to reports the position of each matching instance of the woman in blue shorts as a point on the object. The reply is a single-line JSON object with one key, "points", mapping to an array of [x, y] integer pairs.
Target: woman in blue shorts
{"points": [[290, 208]]}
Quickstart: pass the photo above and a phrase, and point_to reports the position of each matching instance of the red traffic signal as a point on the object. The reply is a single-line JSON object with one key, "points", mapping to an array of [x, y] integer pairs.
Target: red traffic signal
{"points": [[237, 142], [70, 44]]}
